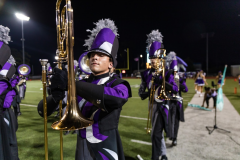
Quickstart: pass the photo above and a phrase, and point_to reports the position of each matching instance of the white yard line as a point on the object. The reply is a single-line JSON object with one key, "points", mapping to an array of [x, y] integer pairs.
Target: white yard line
{"points": [[120, 115], [28, 105], [141, 142], [133, 117], [34, 91]]}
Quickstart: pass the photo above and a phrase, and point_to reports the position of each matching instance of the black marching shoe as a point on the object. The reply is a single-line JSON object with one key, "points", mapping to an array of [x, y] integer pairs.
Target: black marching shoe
{"points": [[174, 142], [164, 157]]}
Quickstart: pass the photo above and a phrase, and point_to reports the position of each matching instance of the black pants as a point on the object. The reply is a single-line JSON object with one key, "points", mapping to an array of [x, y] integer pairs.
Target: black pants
{"points": [[214, 100], [175, 118], [157, 137], [176, 125]]}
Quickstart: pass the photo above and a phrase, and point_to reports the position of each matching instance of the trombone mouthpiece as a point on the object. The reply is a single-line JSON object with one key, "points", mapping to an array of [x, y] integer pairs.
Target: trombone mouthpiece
{"points": [[43, 61]]}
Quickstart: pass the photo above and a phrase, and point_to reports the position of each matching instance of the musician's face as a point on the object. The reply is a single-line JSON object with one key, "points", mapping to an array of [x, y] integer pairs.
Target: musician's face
{"points": [[154, 62], [100, 63]]}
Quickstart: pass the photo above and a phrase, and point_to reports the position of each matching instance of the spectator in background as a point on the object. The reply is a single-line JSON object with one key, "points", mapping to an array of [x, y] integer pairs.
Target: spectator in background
{"points": [[219, 79]]}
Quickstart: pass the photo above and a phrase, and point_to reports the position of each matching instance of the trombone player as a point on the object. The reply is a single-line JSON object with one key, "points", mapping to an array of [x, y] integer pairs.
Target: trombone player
{"points": [[160, 108], [100, 97]]}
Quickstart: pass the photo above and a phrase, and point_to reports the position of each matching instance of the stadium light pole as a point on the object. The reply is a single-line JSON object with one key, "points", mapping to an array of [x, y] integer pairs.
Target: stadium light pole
{"points": [[207, 35], [22, 17], [141, 58]]}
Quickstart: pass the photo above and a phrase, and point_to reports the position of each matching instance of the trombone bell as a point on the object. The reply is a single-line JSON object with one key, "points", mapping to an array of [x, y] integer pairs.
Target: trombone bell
{"points": [[72, 119], [84, 63]]}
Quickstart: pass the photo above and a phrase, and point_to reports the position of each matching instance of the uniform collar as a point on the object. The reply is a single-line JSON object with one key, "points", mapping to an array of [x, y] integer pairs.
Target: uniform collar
{"points": [[99, 76]]}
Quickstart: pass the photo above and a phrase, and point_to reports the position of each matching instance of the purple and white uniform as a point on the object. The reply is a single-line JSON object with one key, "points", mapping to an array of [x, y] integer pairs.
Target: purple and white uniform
{"points": [[22, 88], [10, 95], [220, 79], [161, 116], [178, 111], [200, 81], [102, 139], [8, 122]]}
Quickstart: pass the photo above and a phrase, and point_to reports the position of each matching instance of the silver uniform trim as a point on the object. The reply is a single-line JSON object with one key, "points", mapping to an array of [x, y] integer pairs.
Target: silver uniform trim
{"points": [[112, 153], [80, 104], [89, 130], [6, 121]]}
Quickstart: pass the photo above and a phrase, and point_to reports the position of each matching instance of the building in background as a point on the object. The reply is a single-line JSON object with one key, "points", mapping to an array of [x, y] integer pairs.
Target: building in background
{"points": [[235, 70]]}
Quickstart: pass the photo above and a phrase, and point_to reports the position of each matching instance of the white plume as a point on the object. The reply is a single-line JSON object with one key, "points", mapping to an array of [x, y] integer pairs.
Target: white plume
{"points": [[48, 65], [103, 23], [4, 31], [171, 56], [155, 35], [76, 63], [11, 60]]}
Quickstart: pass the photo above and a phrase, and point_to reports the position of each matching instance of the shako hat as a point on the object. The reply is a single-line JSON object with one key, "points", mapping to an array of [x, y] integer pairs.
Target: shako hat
{"points": [[154, 43], [5, 51], [104, 39], [8, 70]]}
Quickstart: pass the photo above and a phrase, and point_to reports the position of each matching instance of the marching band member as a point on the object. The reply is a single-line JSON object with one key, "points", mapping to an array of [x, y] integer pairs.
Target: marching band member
{"points": [[201, 80], [17, 100], [160, 116], [49, 72], [23, 71], [176, 108], [8, 121], [100, 97], [219, 79]]}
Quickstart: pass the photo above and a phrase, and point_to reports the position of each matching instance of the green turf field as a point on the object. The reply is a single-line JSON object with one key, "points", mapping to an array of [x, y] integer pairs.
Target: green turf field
{"points": [[30, 132]]}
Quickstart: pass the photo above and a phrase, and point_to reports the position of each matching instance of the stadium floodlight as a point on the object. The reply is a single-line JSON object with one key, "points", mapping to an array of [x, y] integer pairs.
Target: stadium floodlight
{"points": [[22, 17]]}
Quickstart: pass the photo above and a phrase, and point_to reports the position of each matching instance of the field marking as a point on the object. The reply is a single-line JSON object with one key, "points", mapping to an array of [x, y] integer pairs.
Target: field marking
{"points": [[141, 142], [34, 91], [120, 115], [28, 105], [133, 117], [135, 86]]}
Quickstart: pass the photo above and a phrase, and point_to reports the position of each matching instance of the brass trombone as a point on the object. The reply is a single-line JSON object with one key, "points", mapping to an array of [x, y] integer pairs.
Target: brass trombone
{"points": [[160, 69], [73, 118]]}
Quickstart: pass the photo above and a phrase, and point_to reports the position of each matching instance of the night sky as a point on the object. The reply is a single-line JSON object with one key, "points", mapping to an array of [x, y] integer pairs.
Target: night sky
{"points": [[180, 22]]}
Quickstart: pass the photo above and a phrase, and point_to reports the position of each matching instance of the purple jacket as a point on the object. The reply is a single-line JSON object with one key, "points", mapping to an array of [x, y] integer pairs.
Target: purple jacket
{"points": [[182, 82], [10, 95], [105, 97], [14, 81], [147, 77], [113, 99]]}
